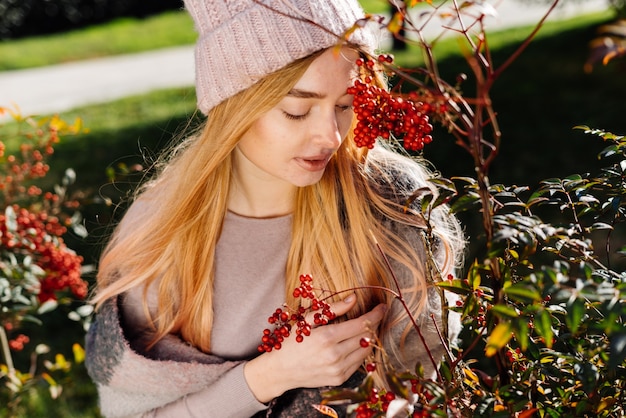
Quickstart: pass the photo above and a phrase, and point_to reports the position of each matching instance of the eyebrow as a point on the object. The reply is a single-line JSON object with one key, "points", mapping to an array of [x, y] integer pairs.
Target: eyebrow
{"points": [[304, 94]]}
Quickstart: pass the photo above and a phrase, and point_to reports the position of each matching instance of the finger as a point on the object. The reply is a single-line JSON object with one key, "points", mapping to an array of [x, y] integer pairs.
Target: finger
{"points": [[366, 323], [343, 307], [337, 308], [359, 353]]}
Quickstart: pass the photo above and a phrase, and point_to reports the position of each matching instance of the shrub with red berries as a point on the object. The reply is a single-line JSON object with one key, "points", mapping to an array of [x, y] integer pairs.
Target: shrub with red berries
{"points": [[543, 301], [38, 271]]}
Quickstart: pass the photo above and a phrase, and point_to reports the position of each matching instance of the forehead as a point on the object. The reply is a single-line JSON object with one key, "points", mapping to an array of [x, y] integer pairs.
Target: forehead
{"points": [[333, 69]]}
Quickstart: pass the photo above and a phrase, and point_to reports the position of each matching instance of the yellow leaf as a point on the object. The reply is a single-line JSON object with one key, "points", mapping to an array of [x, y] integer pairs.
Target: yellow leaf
{"points": [[396, 22], [605, 403], [77, 126], [413, 3], [60, 360], [498, 338], [326, 410], [49, 379], [79, 353], [470, 375]]}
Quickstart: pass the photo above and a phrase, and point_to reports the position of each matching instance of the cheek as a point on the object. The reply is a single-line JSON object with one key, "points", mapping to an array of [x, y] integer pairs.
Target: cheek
{"points": [[259, 136], [344, 123]]}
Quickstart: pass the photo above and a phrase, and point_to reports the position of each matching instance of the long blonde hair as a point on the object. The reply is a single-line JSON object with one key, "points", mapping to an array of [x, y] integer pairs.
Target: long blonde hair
{"points": [[334, 222]]}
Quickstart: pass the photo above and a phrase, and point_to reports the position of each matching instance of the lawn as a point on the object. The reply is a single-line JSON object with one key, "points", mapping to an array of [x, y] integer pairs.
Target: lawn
{"points": [[539, 100]]}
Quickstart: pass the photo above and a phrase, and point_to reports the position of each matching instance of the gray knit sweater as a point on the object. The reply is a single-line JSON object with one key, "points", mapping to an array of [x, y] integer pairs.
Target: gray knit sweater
{"points": [[176, 380]]}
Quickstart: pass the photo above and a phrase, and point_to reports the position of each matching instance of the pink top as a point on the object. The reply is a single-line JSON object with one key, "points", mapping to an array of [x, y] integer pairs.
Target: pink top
{"points": [[251, 255]]}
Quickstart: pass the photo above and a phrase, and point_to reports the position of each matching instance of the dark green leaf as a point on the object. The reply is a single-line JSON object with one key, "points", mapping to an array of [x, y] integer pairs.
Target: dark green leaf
{"points": [[543, 326], [575, 314], [618, 350]]}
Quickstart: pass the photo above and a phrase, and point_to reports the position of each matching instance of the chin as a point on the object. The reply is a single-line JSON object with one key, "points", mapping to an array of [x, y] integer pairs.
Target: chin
{"points": [[305, 182]]}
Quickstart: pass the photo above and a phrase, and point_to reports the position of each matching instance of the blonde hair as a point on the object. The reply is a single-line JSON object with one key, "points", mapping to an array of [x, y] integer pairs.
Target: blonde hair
{"points": [[334, 222]]}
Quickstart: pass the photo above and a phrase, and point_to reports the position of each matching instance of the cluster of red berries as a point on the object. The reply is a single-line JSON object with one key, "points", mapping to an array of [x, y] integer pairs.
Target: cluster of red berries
{"points": [[516, 359], [39, 235], [17, 344], [284, 321], [377, 402], [383, 115], [30, 166]]}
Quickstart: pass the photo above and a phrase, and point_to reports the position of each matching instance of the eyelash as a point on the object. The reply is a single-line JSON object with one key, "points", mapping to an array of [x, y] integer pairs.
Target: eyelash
{"points": [[290, 116], [345, 108], [295, 117]]}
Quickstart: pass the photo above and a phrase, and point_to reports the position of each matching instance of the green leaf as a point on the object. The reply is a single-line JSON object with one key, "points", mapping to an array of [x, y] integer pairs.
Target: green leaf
{"points": [[468, 180], [521, 292], [473, 276], [504, 311], [444, 183], [521, 331], [446, 372], [443, 197], [465, 202], [47, 306], [456, 286], [618, 350], [342, 396], [395, 384], [575, 314], [543, 326]]}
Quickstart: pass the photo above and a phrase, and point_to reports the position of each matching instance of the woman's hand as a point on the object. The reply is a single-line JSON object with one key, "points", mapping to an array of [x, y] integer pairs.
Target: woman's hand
{"points": [[328, 357]]}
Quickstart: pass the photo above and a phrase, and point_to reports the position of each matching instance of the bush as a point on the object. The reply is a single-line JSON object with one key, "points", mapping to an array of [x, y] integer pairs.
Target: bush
{"points": [[543, 303], [38, 272]]}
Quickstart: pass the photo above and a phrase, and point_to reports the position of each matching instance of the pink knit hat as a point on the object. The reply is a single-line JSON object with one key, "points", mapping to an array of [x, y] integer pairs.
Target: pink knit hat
{"points": [[241, 41]]}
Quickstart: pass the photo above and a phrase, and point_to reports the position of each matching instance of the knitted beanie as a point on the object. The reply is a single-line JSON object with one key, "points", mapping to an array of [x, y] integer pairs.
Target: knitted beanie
{"points": [[241, 41]]}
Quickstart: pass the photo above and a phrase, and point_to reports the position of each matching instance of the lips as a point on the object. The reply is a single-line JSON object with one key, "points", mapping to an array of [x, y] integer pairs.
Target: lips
{"points": [[314, 163]]}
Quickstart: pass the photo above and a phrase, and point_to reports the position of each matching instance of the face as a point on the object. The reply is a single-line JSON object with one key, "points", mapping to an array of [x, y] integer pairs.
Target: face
{"points": [[293, 142]]}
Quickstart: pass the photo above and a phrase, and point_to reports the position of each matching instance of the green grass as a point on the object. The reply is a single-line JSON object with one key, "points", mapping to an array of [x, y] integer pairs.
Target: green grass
{"points": [[452, 45], [120, 36], [375, 6]]}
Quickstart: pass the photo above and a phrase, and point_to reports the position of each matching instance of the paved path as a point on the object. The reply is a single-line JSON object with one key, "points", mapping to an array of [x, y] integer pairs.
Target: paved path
{"points": [[62, 87]]}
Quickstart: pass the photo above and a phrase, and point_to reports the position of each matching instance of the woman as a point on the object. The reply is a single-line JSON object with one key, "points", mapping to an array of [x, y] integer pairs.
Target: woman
{"points": [[271, 188]]}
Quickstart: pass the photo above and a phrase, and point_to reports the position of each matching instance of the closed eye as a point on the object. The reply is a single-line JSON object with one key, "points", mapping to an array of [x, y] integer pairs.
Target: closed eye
{"points": [[291, 116], [344, 108]]}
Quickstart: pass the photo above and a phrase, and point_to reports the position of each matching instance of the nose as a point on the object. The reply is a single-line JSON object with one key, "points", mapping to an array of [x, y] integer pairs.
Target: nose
{"points": [[329, 132]]}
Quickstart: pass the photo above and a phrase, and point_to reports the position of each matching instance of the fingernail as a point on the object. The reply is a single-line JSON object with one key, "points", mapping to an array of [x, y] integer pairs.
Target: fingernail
{"points": [[349, 299]]}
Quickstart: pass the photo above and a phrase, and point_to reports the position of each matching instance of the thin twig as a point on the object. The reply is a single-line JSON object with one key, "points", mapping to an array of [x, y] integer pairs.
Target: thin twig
{"points": [[400, 298]]}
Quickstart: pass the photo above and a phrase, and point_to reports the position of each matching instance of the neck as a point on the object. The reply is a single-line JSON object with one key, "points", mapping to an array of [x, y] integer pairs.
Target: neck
{"points": [[258, 195]]}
